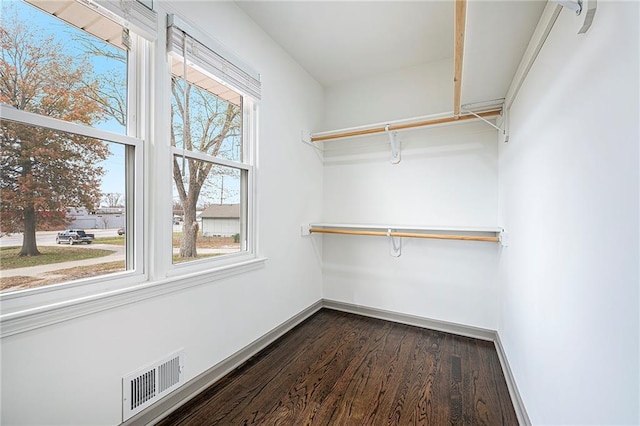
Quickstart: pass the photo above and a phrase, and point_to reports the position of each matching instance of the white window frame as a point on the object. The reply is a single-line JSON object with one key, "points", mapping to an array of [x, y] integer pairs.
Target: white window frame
{"points": [[147, 131], [249, 141], [24, 302]]}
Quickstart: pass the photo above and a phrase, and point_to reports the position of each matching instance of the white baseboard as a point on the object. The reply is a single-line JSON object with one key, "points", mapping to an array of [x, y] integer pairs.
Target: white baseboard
{"points": [[516, 399], [181, 396], [192, 388], [422, 322]]}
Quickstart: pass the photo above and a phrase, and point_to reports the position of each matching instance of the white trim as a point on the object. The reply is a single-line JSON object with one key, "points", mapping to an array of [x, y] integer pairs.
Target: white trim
{"points": [[422, 322], [179, 152], [200, 383], [42, 316], [542, 30], [516, 399], [138, 94], [384, 227], [19, 116]]}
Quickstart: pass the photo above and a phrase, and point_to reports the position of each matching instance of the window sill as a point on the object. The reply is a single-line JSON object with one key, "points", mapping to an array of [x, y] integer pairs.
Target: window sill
{"points": [[31, 319]]}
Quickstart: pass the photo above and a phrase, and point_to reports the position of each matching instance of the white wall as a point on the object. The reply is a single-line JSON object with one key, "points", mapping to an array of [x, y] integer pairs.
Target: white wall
{"points": [[420, 90], [70, 373], [448, 177], [569, 195]]}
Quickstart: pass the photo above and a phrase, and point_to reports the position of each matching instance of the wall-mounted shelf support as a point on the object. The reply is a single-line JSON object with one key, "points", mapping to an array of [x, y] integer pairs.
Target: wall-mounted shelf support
{"points": [[584, 9], [504, 238], [481, 118], [305, 138], [576, 6], [395, 248], [395, 145], [404, 125]]}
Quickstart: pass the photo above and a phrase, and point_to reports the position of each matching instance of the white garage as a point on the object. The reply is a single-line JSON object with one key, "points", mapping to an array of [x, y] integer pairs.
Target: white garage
{"points": [[221, 220]]}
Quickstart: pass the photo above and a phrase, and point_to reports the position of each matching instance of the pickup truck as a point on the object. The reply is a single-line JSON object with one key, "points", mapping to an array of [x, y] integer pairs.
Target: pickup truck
{"points": [[74, 236]]}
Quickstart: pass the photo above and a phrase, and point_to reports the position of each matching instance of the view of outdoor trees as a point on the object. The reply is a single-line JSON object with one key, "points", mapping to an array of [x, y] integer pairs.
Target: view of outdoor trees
{"points": [[43, 171], [48, 177], [204, 123]]}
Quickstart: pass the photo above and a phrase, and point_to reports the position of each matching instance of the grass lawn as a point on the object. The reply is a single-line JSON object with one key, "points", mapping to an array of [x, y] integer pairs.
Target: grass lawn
{"points": [[9, 258], [55, 254], [62, 275], [116, 241], [208, 242]]}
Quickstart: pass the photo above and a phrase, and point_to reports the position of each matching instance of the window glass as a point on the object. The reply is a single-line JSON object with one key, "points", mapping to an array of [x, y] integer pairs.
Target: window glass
{"points": [[65, 195], [210, 174], [219, 226], [71, 191], [51, 68], [211, 112]]}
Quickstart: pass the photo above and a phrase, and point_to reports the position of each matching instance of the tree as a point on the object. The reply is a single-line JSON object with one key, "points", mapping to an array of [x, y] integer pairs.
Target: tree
{"points": [[112, 199], [45, 170], [110, 92], [202, 123]]}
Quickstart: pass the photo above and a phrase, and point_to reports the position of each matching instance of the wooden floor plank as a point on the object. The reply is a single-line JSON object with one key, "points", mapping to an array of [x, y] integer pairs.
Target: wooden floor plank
{"points": [[343, 369]]}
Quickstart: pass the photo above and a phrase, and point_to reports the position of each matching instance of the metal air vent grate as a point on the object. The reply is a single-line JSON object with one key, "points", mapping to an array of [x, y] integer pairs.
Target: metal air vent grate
{"points": [[147, 385]]}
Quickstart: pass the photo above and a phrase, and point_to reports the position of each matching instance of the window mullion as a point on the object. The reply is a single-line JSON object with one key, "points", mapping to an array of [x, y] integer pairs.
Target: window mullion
{"points": [[25, 117], [209, 159], [137, 119]]}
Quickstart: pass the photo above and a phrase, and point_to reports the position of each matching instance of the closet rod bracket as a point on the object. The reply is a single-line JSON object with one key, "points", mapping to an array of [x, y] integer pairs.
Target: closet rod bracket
{"points": [[395, 244], [503, 237], [305, 138], [395, 145]]}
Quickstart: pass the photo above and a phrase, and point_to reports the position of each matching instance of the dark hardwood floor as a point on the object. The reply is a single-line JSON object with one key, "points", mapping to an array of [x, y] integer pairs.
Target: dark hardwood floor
{"points": [[343, 369]]}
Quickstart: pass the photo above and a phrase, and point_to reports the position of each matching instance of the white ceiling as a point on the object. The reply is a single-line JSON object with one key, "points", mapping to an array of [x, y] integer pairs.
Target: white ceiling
{"points": [[337, 41], [342, 40]]}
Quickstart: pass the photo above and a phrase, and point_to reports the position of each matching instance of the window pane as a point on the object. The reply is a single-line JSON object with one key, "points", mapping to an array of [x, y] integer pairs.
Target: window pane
{"points": [[209, 210], [52, 182], [52, 68], [213, 124]]}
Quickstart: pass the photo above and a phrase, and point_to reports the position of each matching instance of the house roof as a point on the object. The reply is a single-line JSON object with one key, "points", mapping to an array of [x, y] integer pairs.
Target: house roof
{"points": [[220, 211]]}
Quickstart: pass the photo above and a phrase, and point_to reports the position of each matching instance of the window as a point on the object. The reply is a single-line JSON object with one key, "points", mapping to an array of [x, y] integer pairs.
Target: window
{"points": [[70, 148], [212, 116], [74, 115]]}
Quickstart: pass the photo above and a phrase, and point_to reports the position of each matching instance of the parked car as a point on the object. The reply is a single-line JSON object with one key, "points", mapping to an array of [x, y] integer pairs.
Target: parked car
{"points": [[74, 236], [121, 231]]}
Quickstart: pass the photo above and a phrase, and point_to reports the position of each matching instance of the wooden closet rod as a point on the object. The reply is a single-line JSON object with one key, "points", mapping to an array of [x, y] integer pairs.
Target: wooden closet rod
{"points": [[405, 234], [392, 127]]}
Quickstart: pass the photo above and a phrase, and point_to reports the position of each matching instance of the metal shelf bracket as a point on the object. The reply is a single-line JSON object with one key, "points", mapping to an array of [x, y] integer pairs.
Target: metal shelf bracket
{"points": [[504, 238], [395, 145], [395, 244]]}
